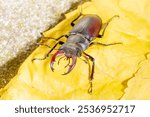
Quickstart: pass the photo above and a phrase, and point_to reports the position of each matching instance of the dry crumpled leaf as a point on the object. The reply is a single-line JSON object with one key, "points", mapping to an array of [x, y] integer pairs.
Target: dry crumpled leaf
{"points": [[139, 84], [115, 65]]}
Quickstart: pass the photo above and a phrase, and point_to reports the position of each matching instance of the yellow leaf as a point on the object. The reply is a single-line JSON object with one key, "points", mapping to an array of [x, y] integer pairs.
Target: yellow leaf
{"points": [[138, 86], [115, 65]]}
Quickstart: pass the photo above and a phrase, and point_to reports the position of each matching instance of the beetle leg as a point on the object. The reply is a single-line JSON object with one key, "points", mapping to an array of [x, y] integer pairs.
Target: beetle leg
{"points": [[92, 71], [72, 23], [102, 44], [41, 44], [60, 42], [100, 36], [55, 38]]}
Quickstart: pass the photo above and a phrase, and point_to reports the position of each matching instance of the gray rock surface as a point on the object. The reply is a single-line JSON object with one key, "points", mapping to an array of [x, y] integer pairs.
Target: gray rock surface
{"points": [[21, 22]]}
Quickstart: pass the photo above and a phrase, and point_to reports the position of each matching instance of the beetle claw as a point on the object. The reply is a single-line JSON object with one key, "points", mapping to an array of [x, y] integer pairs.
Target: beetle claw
{"points": [[58, 53], [74, 59], [51, 66], [69, 70]]}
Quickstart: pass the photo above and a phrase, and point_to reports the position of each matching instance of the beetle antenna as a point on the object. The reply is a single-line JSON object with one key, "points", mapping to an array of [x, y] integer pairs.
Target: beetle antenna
{"points": [[60, 59], [74, 60], [83, 60], [68, 63]]}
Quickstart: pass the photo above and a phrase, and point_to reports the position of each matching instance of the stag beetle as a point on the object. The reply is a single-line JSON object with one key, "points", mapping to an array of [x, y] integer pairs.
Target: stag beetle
{"points": [[78, 40]]}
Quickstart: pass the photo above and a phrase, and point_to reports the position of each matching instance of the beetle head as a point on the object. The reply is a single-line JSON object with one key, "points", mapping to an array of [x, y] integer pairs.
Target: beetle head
{"points": [[71, 49], [71, 52]]}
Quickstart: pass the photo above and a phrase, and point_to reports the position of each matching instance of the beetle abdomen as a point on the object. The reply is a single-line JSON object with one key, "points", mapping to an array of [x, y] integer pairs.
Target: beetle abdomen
{"points": [[89, 26]]}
